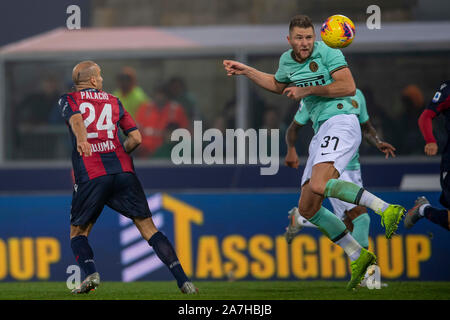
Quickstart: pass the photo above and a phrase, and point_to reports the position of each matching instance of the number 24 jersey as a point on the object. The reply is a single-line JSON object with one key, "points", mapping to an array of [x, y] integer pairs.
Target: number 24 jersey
{"points": [[103, 115]]}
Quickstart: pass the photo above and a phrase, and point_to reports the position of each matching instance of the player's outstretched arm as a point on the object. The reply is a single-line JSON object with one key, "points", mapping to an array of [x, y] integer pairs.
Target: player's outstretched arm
{"points": [[79, 130], [262, 79], [370, 134], [133, 140], [291, 159]]}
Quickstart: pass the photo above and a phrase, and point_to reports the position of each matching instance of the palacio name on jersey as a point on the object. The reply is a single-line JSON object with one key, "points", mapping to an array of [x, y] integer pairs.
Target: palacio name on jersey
{"points": [[106, 146], [94, 95]]}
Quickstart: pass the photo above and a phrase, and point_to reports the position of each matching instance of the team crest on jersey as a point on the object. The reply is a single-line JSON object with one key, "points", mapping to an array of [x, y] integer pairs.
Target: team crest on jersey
{"points": [[355, 104], [313, 66], [340, 106]]}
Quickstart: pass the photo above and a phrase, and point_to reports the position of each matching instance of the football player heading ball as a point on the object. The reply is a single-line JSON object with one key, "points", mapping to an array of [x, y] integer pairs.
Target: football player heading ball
{"points": [[323, 80]]}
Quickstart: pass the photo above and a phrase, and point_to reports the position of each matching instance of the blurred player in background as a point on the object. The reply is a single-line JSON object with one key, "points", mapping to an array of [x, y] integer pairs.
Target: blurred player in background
{"points": [[422, 208], [323, 80], [104, 173], [128, 91], [154, 117]]}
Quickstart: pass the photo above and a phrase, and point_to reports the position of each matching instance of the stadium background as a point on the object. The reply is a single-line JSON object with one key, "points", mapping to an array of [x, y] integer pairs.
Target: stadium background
{"points": [[221, 218]]}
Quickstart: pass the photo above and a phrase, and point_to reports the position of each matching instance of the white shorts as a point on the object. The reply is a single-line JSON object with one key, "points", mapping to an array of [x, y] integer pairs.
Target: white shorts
{"points": [[337, 141], [339, 206]]}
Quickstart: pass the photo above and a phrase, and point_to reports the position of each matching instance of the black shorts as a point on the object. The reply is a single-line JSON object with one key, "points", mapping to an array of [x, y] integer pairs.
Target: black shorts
{"points": [[121, 192], [445, 185]]}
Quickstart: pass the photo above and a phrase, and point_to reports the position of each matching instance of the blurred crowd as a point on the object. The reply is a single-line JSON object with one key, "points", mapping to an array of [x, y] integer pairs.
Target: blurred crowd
{"points": [[170, 105]]}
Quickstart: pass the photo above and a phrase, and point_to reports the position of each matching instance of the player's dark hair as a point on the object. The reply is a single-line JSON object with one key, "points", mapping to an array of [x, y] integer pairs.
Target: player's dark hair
{"points": [[300, 21]]}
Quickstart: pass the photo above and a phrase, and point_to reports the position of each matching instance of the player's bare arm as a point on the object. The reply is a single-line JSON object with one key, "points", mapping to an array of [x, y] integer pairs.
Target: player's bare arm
{"points": [[262, 79], [343, 86], [79, 130], [291, 159], [370, 134], [133, 140]]}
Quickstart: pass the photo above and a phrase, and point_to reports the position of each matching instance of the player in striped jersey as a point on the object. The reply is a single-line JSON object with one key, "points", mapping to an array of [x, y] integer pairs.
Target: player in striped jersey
{"points": [[104, 173], [440, 104]]}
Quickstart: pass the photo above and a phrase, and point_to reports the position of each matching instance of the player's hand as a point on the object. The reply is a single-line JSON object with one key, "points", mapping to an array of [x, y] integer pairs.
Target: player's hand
{"points": [[431, 149], [84, 148], [386, 148], [296, 93], [234, 67], [292, 160]]}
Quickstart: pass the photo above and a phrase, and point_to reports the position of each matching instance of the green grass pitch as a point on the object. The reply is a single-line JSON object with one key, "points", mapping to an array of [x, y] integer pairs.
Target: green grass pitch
{"points": [[222, 290]]}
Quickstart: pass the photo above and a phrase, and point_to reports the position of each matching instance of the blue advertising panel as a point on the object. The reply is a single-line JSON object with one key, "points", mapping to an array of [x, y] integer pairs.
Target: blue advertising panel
{"points": [[217, 236]]}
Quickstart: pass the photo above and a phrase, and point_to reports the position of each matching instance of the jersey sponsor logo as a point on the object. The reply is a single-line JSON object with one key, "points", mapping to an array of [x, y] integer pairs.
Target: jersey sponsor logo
{"points": [[311, 81], [105, 146], [313, 66]]}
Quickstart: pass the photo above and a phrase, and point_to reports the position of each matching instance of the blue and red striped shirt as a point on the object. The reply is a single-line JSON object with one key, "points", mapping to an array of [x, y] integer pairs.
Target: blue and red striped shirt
{"points": [[103, 115]]}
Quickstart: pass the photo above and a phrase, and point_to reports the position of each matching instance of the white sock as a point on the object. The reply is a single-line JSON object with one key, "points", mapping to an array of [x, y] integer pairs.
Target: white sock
{"points": [[301, 221], [304, 222], [373, 202], [422, 208], [350, 246]]}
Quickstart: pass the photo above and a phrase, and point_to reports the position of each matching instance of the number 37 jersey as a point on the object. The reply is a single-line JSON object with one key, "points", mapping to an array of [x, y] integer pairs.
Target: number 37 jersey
{"points": [[103, 115]]}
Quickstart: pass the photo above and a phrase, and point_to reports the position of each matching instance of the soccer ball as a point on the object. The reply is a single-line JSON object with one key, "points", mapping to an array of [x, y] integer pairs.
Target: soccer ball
{"points": [[337, 31]]}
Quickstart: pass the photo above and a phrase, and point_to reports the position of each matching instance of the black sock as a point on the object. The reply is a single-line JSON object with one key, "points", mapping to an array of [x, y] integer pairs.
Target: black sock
{"points": [[437, 216], [83, 254], [164, 250]]}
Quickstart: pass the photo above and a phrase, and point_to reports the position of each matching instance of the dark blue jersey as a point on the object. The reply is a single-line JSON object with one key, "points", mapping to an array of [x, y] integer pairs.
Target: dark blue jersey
{"points": [[439, 104]]}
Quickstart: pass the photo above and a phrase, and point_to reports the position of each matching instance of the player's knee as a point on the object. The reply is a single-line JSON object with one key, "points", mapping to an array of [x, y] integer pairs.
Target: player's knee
{"points": [[317, 187], [76, 231]]}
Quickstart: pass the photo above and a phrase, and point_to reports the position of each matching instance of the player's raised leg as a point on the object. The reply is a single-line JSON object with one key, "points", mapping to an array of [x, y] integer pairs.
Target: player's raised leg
{"points": [[310, 206], [423, 209], [165, 251], [346, 191]]}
